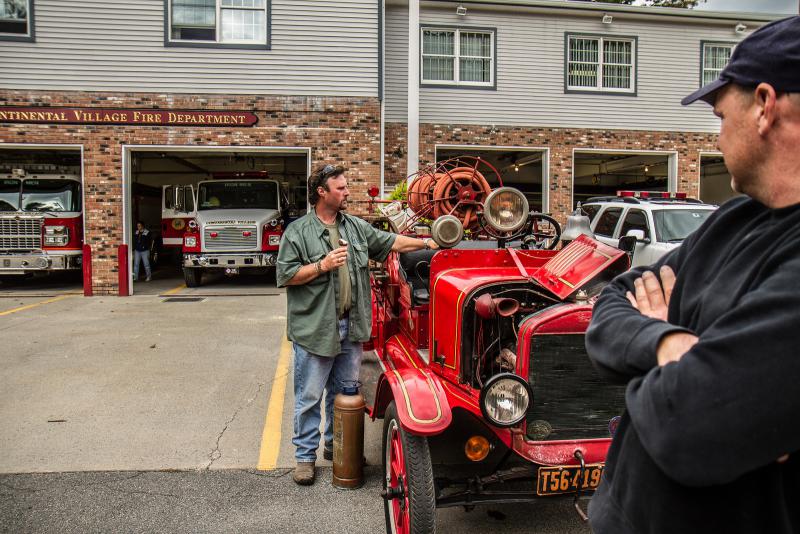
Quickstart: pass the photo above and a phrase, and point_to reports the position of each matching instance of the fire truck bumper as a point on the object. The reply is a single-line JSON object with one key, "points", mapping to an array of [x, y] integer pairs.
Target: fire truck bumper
{"points": [[25, 262], [230, 260]]}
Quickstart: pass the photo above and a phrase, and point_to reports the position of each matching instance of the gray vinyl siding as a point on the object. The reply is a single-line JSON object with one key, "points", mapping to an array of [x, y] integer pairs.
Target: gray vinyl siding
{"points": [[318, 47], [530, 73]]}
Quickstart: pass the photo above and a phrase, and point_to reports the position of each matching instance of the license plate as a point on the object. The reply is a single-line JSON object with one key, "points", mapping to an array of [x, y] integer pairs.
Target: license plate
{"points": [[568, 479]]}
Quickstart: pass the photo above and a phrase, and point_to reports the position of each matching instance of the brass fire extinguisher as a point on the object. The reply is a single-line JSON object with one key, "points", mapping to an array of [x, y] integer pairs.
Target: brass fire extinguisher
{"points": [[348, 437]]}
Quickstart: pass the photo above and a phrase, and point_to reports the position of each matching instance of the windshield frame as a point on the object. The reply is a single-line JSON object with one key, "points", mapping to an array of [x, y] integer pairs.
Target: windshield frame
{"points": [[56, 184], [203, 188], [18, 195], [659, 217]]}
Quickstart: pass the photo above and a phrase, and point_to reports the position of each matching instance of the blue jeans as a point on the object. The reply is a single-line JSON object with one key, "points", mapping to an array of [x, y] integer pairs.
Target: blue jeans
{"points": [[313, 376], [141, 256]]}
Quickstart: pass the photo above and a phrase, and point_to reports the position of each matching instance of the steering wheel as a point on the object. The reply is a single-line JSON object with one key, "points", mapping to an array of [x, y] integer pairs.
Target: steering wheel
{"points": [[544, 233]]}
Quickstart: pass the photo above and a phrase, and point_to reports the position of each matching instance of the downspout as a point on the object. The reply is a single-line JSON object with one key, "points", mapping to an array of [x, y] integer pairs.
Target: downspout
{"points": [[413, 88], [381, 79]]}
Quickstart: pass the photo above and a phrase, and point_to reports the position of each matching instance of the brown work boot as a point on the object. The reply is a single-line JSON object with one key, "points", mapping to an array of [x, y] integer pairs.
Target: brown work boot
{"points": [[304, 473]]}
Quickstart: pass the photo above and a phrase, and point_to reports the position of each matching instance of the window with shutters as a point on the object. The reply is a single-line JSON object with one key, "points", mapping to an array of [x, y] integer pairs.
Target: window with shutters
{"points": [[226, 23], [602, 64], [456, 56]]}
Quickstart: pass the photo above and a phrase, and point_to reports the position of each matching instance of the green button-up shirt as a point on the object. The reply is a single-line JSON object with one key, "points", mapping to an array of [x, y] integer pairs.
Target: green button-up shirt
{"points": [[312, 321]]}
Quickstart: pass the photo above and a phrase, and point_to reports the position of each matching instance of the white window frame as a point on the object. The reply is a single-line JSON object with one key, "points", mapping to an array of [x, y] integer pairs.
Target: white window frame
{"points": [[456, 82], [28, 35], [599, 88], [703, 47], [218, 27]]}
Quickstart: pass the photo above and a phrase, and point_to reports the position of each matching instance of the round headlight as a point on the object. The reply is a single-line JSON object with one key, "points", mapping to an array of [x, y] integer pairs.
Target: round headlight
{"points": [[505, 399], [192, 224], [447, 231], [506, 209]]}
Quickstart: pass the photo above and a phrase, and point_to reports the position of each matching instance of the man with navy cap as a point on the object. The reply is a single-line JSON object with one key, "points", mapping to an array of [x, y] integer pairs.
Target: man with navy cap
{"points": [[708, 339]]}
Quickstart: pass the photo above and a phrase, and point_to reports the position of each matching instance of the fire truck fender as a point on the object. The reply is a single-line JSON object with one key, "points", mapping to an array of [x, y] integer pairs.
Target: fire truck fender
{"points": [[421, 402]]}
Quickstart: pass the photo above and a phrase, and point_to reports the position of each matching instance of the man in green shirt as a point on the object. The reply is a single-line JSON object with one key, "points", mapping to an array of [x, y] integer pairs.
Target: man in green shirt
{"points": [[323, 261]]}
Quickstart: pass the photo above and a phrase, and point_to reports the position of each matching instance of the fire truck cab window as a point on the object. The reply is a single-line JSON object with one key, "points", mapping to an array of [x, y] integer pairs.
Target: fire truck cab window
{"points": [[238, 195], [50, 195], [9, 195], [607, 222]]}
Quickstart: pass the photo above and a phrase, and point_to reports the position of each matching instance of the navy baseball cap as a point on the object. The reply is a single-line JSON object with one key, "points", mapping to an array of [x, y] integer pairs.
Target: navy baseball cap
{"points": [[770, 55]]}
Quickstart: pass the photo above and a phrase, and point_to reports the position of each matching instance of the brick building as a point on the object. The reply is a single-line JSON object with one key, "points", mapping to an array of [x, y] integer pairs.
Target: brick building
{"points": [[564, 99]]}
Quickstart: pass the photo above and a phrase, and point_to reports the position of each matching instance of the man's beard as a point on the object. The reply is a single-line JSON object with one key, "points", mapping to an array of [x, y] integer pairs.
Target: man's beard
{"points": [[343, 205]]}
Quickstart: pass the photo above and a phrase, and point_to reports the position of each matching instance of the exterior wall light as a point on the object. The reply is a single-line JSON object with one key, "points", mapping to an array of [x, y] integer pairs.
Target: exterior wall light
{"points": [[607, 19], [461, 11], [740, 28]]}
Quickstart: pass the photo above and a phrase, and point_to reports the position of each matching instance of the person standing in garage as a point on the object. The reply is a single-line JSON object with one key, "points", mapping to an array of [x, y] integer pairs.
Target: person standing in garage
{"points": [[706, 339], [323, 261], [142, 240]]}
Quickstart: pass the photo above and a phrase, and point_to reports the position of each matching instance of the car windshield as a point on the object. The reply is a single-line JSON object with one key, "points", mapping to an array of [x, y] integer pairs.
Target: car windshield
{"points": [[51, 195], [9, 195], [676, 225], [237, 195]]}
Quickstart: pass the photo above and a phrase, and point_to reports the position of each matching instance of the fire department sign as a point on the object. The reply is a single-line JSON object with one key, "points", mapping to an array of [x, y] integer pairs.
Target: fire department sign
{"points": [[138, 117]]}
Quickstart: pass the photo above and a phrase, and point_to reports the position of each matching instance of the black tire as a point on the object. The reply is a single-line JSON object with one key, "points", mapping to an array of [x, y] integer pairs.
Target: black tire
{"points": [[418, 483], [192, 276]]}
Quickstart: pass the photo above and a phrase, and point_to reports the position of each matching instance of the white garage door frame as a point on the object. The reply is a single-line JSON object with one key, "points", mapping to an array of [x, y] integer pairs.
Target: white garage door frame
{"points": [[545, 162], [672, 164], [127, 181]]}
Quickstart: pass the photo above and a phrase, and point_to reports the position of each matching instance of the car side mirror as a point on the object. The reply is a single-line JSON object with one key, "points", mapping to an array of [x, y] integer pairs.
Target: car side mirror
{"points": [[638, 235], [627, 244]]}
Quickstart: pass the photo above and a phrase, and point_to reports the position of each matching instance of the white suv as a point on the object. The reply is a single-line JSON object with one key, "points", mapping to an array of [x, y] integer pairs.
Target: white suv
{"points": [[659, 221]]}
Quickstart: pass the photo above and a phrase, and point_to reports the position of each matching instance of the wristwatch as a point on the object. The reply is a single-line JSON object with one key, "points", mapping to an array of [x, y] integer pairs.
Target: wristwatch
{"points": [[427, 242]]}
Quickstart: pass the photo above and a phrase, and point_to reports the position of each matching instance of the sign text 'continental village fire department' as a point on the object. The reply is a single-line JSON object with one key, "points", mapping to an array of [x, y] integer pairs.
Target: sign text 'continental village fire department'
{"points": [[140, 117]]}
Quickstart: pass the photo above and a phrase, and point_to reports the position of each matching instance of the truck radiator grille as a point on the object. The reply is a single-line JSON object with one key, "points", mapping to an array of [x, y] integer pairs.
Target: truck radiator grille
{"points": [[231, 238], [570, 400], [20, 234]]}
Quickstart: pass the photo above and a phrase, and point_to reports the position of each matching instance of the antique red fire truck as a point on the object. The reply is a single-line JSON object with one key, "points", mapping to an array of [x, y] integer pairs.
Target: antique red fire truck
{"points": [[481, 378], [41, 223]]}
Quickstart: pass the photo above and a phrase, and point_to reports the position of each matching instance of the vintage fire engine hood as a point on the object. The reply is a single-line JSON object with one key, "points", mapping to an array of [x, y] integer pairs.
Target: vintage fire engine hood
{"points": [[235, 217], [577, 265]]}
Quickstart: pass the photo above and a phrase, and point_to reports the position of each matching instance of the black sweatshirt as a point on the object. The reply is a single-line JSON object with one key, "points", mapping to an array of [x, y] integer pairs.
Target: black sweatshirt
{"points": [[696, 449]]}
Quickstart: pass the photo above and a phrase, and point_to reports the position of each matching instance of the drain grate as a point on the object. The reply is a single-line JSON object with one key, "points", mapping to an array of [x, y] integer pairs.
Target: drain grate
{"points": [[183, 299]]}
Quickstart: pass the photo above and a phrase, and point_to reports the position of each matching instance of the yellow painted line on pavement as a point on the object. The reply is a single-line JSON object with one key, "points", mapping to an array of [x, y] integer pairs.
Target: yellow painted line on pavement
{"points": [[175, 289], [271, 436], [29, 306]]}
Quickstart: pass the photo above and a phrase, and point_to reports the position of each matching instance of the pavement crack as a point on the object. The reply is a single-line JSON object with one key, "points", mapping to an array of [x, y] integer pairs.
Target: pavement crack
{"points": [[215, 453]]}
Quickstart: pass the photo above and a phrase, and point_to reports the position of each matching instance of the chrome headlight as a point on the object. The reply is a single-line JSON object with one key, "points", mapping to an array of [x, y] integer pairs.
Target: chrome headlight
{"points": [[505, 399], [192, 224], [190, 241], [56, 236], [274, 240], [506, 209]]}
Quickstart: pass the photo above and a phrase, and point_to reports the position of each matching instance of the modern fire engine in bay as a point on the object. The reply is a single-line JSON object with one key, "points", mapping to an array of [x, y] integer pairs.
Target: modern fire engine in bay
{"points": [[41, 223], [237, 225]]}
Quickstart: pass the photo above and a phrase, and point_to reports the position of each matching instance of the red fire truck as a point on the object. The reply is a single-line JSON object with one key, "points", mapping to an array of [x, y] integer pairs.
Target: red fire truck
{"points": [[481, 377], [41, 223]]}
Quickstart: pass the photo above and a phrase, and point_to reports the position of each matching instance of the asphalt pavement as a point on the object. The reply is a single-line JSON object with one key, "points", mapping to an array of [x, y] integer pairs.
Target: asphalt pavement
{"points": [[170, 411]]}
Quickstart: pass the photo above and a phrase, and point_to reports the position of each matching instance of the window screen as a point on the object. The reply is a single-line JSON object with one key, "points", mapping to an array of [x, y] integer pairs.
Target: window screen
{"points": [[600, 63]]}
